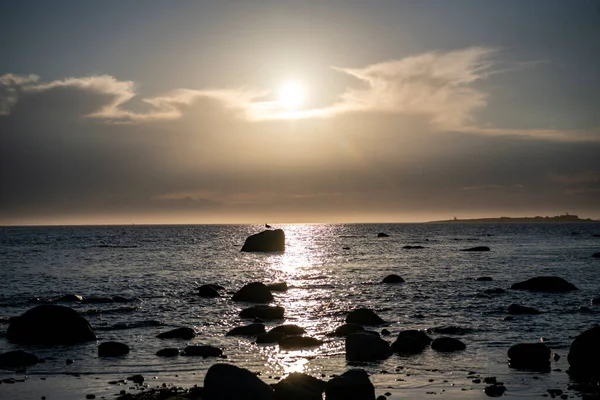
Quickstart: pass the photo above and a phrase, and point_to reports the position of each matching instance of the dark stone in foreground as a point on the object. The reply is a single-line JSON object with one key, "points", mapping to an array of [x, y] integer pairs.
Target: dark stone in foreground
{"points": [[447, 344], [346, 329], [517, 309], [203, 351], [495, 390], [363, 346], [584, 354], [298, 342], [288, 329], [263, 312], [208, 291], [139, 379], [529, 356], [254, 292], [551, 284], [596, 255], [228, 382], [112, 349], [351, 385], [278, 287], [269, 337], [248, 330], [299, 386], [364, 316], [17, 359], [265, 241], [179, 333], [381, 234], [411, 342], [477, 248], [168, 352], [50, 325], [393, 278]]}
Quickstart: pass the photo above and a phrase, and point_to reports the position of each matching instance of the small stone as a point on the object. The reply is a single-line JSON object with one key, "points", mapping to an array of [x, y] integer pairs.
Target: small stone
{"points": [[90, 396]]}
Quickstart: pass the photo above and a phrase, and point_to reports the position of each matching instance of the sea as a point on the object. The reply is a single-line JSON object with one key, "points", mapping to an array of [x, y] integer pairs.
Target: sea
{"points": [[330, 269]]}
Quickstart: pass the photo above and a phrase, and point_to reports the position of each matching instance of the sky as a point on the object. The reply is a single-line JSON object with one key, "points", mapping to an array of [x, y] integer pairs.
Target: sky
{"points": [[143, 112]]}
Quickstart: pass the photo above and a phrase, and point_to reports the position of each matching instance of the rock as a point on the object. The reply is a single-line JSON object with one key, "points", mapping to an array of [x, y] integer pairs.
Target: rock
{"points": [[67, 298], [288, 330], [168, 352], [517, 309], [263, 312], [381, 234], [179, 333], [364, 316], [450, 330], [484, 279], [228, 382], [596, 235], [584, 353], [299, 386], [351, 385], [447, 344], [363, 346], [530, 356], [269, 337], [98, 300], [208, 291], [255, 292], [278, 287], [203, 351], [265, 241], [551, 284], [411, 342], [409, 247], [248, 330], [585, 310], [17, 359], [596, 255], [596, 300], [112, 349], [393, 278], [121, 299], [477, 248], [139, 379], [346, 329], [50, 324], [298, 342], [495, 390], [385, 332], [494, 291]]}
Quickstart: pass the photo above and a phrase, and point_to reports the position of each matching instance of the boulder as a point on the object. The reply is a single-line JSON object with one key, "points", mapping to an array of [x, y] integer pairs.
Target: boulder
{"points": [[381, 234], [179, 333], [299, 386], [168, 352], [269, 337], [529, 356], [584, 353], [411, 342], [351, 385], [596, 300], [346, 329], [203, 351], [17, 359], [248, 330], [228, 382], [298, 342], [50, 324], [447, 344], [288, 330], [477, 248], [138, 379], [265, 242], [551, 284], [484, 279], [112, 349], [208, 291], [494, 390], [450, 330], [393, 278], [362, 346], [364, 316], [67, 298], [263, 312], [278, 287], [98, 300], [596, 255], [517, 309], [255, 292]]}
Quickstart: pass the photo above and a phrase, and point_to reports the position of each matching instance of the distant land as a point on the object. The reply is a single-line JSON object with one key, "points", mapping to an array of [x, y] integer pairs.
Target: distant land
{"points": [[556, 219]]}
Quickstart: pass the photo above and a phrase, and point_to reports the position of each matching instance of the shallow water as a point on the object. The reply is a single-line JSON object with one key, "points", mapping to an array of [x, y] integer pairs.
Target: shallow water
{"points": [[160, 266]]}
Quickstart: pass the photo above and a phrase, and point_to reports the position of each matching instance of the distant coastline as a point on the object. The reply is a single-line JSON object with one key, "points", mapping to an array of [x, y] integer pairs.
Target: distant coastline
{"points": [[567, 218]]}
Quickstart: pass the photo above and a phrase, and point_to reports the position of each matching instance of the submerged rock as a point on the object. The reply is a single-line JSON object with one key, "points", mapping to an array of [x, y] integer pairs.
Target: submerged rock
{"points": [[346, 329], [248, 330], [49, 325], [381, 234], [179, 333], [411, 342], [351, 385], [409, 247], [17, 359], [263, 312], [168, 352], [278, 287], [364, 316], [228, 382], [203, 351], [265, 241], [208, 291], [529, 356], [484, 279], [269, 337], [288, 330], [298, 342], [584, 353], [596, 255], [393, 278], [112, 349], [517, 309], [477, 248], [299, 386], [363, 346], [254, 292], [67, 298], [494, 291], [447, 344], [551, 284]]}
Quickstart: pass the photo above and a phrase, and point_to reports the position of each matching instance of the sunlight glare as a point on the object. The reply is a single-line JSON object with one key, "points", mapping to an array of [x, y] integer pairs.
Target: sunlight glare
{"points": [[291, 95]]}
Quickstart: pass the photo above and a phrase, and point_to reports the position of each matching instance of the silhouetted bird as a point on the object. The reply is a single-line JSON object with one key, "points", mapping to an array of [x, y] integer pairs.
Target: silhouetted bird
{"points": [[267, 226]]}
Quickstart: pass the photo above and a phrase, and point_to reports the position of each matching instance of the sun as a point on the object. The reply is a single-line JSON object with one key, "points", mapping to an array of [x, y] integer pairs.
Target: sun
{"points": [[291, 95]]}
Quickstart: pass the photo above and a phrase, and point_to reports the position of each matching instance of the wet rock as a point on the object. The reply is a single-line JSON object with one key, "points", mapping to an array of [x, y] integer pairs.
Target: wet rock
{"points": [[289, 329], [381, 234], [516, 309], [409, 247], [98, 300], [447, 344], [351, 385], [203, 351], [477, 248], [122, 299], [269, 337], [529, 356], [596, 300], [597, 235], [139, 379], [411, 342], [385, 332], [50, 324], [168, 352], [495, 390], [278, 287], [596, 255], [298, 342], [17, 359], [299, 386], [494, 291], [508, 318], [255, 292], [265, 241], [248, 330], [484, 279], [551, 284], [346, 329], [67, 298], [584, 353], [364, 316], [228, 382], [208, 291], [363, 346], [393, 278], [450, 330], [263, 312], [112, 349], [584, 310], [178, 333]]}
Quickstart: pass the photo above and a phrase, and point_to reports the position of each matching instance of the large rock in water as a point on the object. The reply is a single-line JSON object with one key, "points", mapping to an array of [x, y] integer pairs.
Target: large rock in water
{"points": [[263, 312], [49, 325], [351, 385], [364, 316], [299, 386], [411, 342], [584, 354], [17, 359], [447, 345], [265, 241], [551, 284], [112, 349], [530, 356], [228, 382], [364, 346], [255, 292]]}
